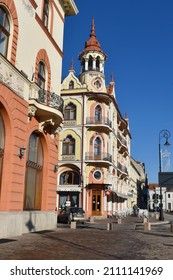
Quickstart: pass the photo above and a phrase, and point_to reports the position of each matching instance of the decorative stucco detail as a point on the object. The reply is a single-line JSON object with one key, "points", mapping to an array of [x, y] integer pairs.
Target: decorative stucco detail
{"points": [[11, 79]]}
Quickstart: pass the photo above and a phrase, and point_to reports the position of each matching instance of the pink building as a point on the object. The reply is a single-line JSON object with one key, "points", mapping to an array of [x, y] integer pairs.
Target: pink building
{"points": [[31, 111]]}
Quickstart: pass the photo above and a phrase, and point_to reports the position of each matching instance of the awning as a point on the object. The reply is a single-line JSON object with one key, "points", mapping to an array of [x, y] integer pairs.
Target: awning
{"points": [[67, 188], [123, 195]]}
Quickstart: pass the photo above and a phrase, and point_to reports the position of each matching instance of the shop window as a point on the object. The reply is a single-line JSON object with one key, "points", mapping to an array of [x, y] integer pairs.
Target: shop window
{"points": [[34, 173], [2, 142], [46, 13], [4, 31], [65, 197], [70, 112], [68, 146], [41, 75], [69, 177]]}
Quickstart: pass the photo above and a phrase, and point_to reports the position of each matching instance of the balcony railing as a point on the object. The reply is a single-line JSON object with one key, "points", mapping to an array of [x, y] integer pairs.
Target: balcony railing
{"points": [[50, 99], [122, 140], [101, 121], [101, 156], [122, 168]]}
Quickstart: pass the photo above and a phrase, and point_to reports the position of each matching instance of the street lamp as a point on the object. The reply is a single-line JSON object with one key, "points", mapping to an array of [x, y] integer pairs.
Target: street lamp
{"points": [[165, 134]]}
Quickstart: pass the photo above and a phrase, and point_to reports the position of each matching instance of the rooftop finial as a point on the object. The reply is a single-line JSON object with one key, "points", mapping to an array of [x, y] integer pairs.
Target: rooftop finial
{"points": [[93, 28], [112, 78], [72, 66]]}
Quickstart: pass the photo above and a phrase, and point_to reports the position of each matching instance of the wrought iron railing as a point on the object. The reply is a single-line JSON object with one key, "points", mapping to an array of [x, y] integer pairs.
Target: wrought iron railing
{"points": [[122, 168], [102, 121], [50, 99], [101, 156], [122, 140]]}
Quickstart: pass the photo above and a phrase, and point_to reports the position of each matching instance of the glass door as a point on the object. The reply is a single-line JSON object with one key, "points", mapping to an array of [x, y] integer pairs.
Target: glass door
{"points": [[96, 203]]}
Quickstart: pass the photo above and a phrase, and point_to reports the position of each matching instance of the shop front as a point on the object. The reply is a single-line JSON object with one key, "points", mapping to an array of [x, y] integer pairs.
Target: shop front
{"points": [[97, 200], [68, 197]]}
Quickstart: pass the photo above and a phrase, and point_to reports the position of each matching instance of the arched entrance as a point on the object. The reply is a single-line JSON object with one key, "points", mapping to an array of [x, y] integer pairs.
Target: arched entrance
{"points": [[2, 143], [34, 173]]}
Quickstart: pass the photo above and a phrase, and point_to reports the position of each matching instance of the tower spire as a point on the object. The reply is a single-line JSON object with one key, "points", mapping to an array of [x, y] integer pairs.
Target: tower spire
{"points": [[92, 29]]}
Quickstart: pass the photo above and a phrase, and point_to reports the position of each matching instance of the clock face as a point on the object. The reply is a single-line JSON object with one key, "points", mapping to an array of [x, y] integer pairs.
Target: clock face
{"points": [[97, 83]]}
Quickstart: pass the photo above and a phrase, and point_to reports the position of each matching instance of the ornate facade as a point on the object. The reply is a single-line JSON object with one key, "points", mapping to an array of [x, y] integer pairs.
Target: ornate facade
{"points": [[31, 111], [94, 150]]}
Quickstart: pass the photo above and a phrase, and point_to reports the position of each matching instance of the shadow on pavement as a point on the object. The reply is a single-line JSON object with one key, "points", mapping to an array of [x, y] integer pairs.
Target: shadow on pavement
{"points": [[6, 240], [156, 233], [74, 245]]}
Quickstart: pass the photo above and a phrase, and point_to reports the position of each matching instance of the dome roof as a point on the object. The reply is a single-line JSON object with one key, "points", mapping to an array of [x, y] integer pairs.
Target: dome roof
{"points": [[92, 44]]}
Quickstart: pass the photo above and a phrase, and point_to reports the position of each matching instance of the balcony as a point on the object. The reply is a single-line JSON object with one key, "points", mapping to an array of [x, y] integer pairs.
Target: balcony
{"points": [[46, 106], [122, 170], [102, 157], [122, 143], [103, 122]]}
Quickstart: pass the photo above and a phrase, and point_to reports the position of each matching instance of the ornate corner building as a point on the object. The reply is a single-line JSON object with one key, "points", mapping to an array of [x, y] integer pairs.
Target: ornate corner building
{"points": [[94, 147], [31, 111]]}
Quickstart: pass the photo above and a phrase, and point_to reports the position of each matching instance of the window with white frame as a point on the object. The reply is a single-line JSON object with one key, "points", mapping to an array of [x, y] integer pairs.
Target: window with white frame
{"points": [[4, 31], [46, 13]]}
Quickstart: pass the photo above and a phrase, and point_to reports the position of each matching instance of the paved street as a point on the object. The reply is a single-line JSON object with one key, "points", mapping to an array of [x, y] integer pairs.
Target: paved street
{"points": [[127, 241]]}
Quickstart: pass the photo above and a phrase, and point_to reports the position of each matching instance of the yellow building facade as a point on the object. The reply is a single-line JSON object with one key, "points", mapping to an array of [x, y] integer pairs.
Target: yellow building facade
{"points": [[94, 143]]}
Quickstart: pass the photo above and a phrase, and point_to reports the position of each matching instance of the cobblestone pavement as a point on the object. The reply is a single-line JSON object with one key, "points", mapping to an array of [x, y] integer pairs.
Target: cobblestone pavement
{"points": [[93, 241]]}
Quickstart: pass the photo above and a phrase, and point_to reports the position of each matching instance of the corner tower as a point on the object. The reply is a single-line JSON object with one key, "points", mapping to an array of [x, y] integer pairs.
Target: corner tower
{"points": [[92, 60]]}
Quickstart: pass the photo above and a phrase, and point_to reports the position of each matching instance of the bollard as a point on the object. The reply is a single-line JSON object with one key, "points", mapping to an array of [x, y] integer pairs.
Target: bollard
{"points": [[119, 221], [73, 225], [171, 226], [109, 226], [92, 219], [157, 216], [147, 226]]}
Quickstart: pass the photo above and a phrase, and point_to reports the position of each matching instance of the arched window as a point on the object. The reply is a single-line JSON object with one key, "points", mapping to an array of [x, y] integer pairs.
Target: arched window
{"points": [[71, 85], [98, 113], [98, 63], [69, 177], [83, 65], [90, 63], [41, 75], [2, 143], [4, 31], [68, 146], [34, 173], [70, 112], [46, 13], [97, 147]]}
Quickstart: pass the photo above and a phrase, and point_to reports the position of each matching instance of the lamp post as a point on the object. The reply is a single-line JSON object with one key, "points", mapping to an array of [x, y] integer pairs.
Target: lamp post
{"points": [[164, 133]]}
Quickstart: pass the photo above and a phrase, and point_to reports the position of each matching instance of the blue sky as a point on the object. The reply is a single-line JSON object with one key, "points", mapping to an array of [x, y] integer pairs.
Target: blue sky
{"points": [[137, 37]]}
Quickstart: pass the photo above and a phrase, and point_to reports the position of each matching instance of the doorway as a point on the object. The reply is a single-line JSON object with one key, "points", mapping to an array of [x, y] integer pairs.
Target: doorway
{"points": [[96, 202]]}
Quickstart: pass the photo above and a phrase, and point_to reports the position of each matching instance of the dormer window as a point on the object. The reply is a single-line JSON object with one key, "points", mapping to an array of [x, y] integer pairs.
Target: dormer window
{"points": [[71, 85], [46, 13], [4, 31]]}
